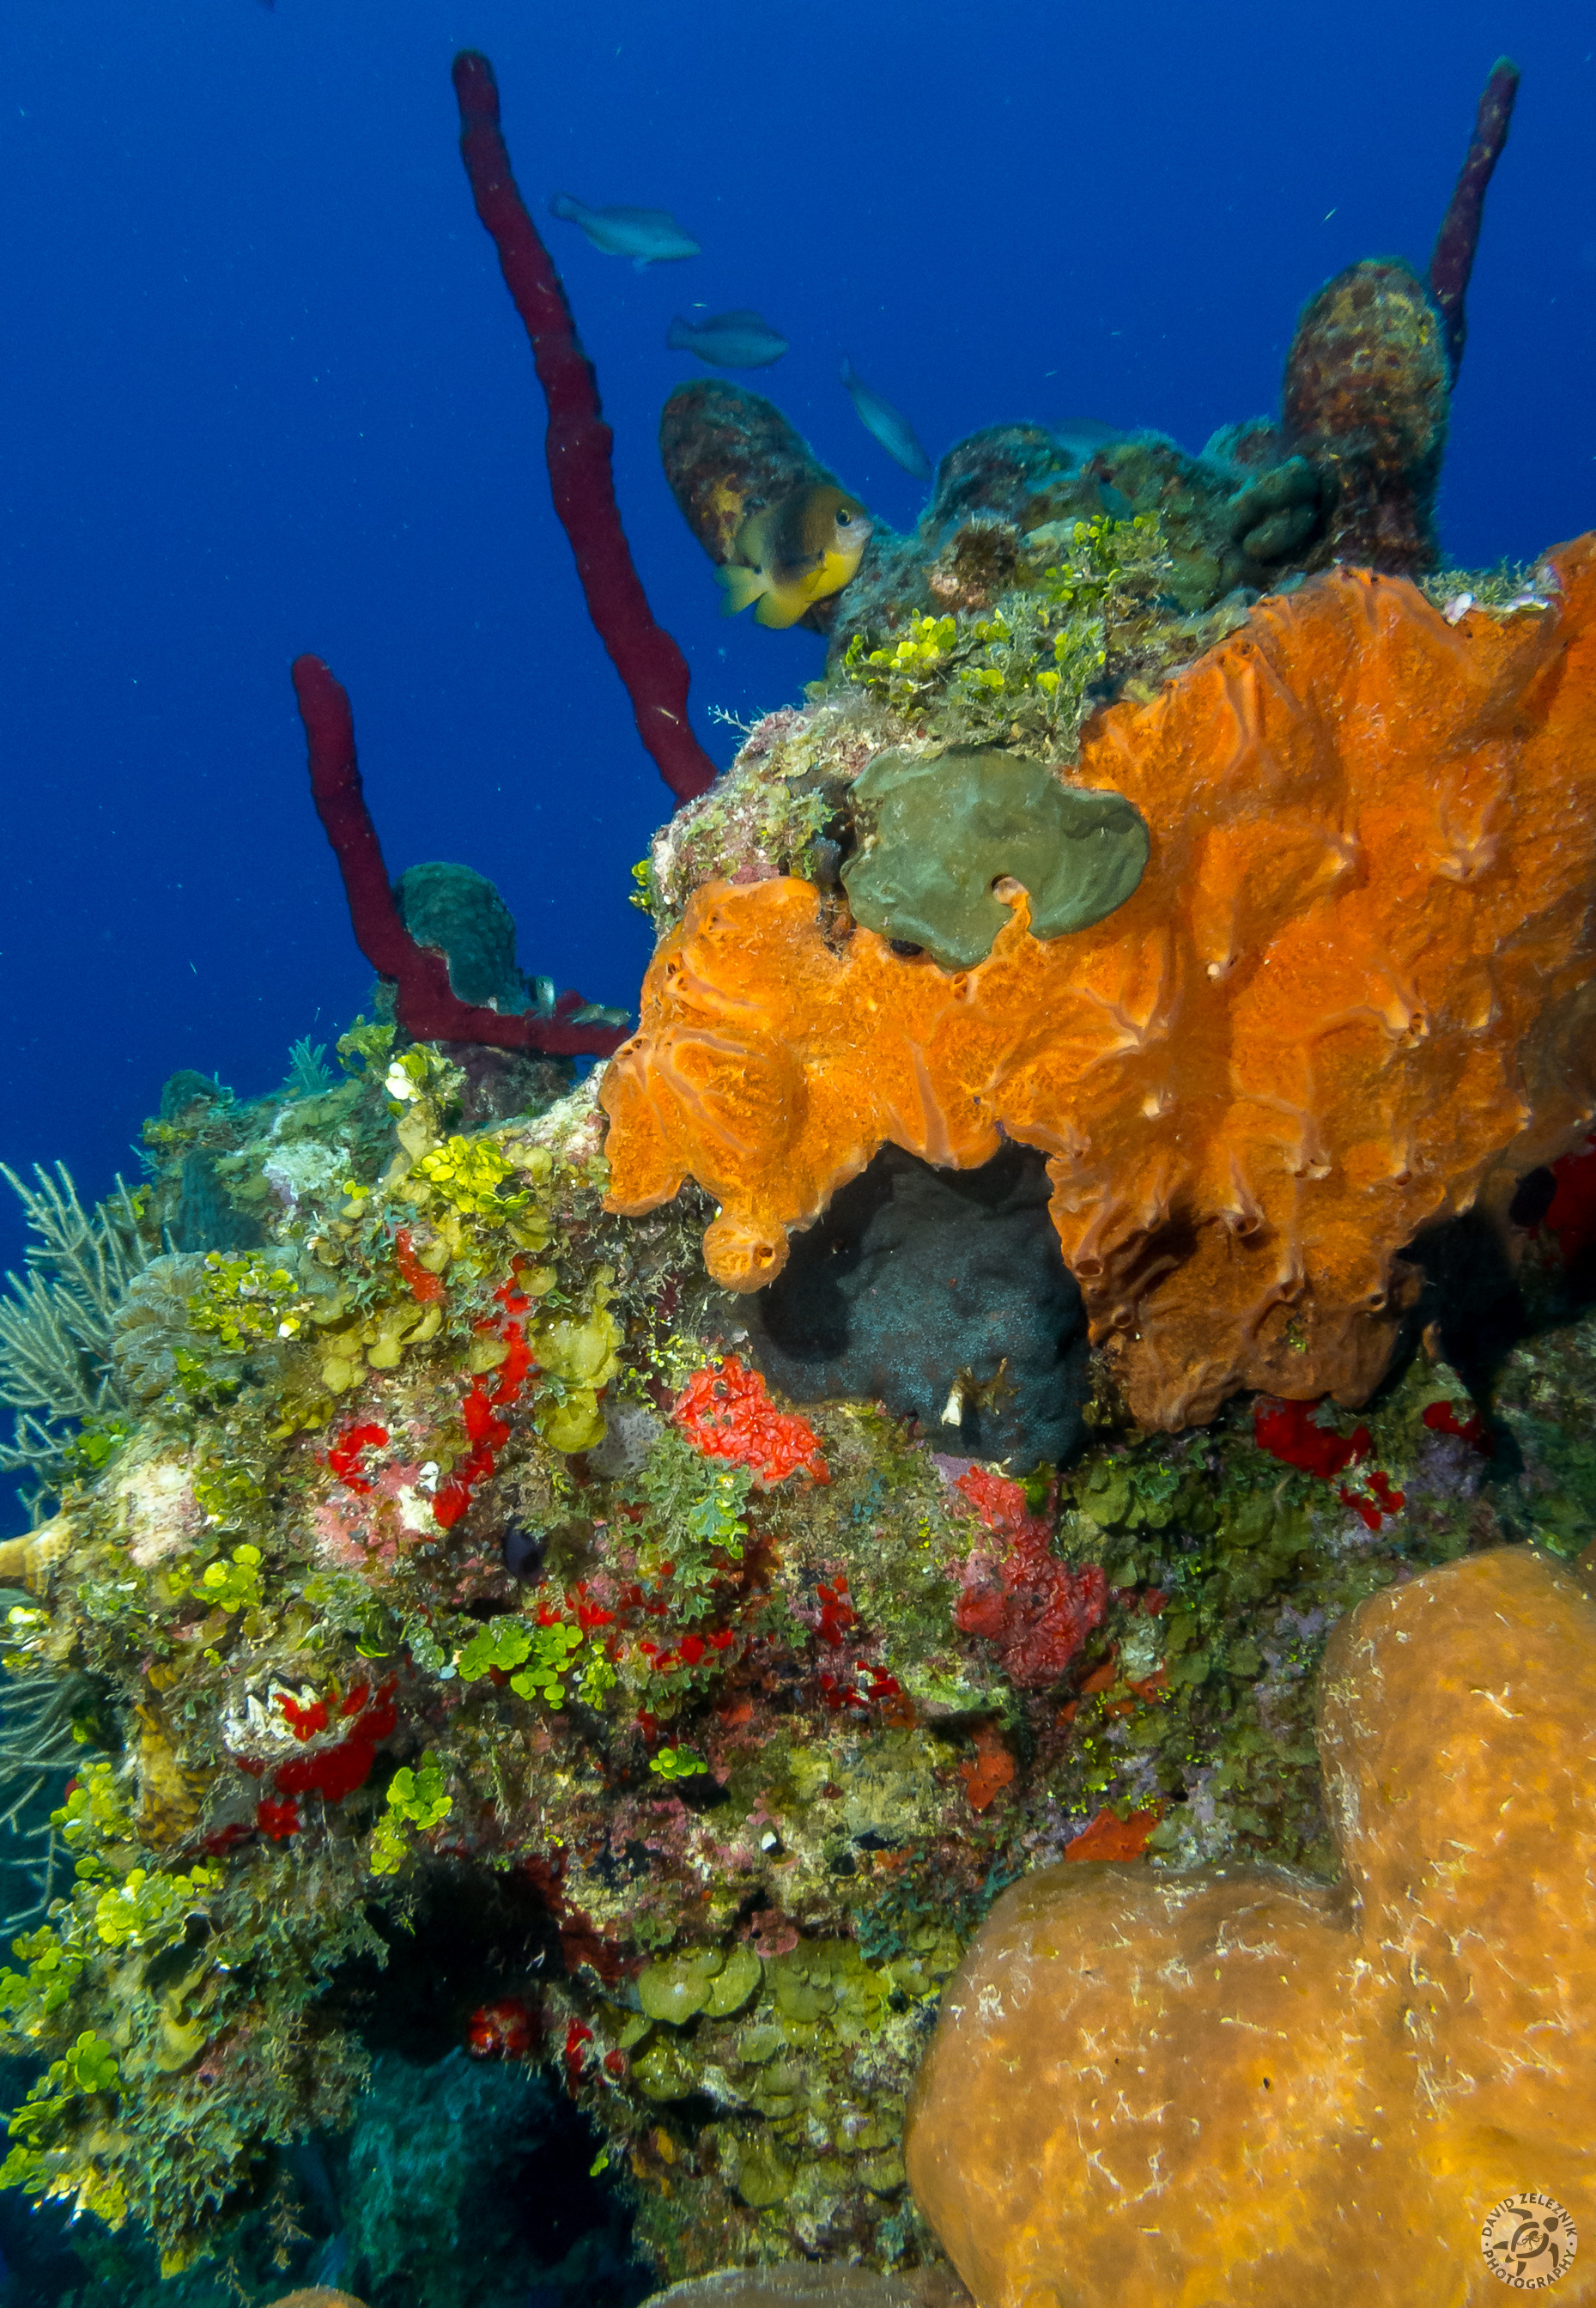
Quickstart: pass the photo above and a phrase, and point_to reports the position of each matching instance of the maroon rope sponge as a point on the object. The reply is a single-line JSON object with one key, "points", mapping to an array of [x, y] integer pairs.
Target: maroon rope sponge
{"points": [[578, 445], [1453, 259], [426, 1004]]}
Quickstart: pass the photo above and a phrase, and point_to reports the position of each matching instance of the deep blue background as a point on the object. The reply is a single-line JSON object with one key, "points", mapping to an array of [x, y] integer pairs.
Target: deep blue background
{"points": [[262, 390]]}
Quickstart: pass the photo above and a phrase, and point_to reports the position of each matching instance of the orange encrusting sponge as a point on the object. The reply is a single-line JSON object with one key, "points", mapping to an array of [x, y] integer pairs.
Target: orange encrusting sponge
{"points": [[1155, 2089], [1351, 995]]}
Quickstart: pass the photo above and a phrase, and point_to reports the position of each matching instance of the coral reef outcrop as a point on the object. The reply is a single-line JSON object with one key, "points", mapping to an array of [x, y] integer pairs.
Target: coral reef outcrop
{"points": [[685, 1756], [1348, 473], [490, 1692], [1152, 2088], [1349, 998]]}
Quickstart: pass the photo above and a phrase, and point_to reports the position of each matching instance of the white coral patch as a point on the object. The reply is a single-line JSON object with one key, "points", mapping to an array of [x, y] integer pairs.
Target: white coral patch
{"points": [[415, 1511], [572, 1129], [157, 1512], [256, 1724], [1141, 1650], [306, 1169]]}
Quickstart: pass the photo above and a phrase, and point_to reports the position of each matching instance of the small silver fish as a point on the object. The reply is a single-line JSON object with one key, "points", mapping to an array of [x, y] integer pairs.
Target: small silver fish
{"points": [[727, 341], [647, 235], [892, 430]]}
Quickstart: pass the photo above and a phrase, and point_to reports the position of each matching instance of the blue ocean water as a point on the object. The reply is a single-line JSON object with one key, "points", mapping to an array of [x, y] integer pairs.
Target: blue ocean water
{"points": [[263, 391]]}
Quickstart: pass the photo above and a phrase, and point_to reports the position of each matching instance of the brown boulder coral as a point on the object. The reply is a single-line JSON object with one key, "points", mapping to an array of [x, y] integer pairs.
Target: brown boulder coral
{"points": [[1350, 995], [1165, 2090], [1365, 401]]}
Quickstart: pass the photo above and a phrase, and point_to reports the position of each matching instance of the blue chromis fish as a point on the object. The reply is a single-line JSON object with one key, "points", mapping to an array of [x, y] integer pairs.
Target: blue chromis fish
{"points": [[727, 341], [795, 553], [891, 429], [647, 235]]}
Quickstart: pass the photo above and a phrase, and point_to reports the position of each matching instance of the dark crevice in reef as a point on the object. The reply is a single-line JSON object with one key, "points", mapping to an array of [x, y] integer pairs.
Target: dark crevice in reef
{"points": [[472, 1957], [1532, 1204], [942, 1294], [1470, 1301], [472, 1935], [1478, 1302]]}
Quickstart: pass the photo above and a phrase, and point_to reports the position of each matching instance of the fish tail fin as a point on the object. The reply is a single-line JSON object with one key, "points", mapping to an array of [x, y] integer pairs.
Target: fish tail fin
{"points": [[850, 375], [677, 336], [562, 205], [740, 585], [780, 610]]}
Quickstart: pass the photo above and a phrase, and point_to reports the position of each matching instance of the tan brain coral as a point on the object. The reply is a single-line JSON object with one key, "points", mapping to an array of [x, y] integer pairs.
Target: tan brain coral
{"points": [[1350, 995], [1237, 2089]]}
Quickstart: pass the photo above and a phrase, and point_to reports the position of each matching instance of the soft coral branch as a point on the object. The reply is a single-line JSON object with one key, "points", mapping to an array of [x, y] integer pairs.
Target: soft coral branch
{"points": [[424, 1002], [577, 446]]}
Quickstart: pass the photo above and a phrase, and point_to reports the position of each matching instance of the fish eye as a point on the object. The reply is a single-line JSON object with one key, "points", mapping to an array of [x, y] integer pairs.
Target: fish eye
{"points": [[845, 521]]}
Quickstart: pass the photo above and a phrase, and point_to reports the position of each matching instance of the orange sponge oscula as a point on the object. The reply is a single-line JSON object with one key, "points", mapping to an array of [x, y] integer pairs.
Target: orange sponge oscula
{"points": [[1352, 993]]}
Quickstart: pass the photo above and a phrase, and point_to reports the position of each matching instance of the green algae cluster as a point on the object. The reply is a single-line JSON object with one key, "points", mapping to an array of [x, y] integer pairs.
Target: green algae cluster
{"points": [[795, 2049], [1082, 609]]}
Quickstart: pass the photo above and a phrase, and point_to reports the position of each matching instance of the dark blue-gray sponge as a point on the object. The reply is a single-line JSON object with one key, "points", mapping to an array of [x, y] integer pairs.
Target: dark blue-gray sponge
{"points": [[916, 1281]]}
